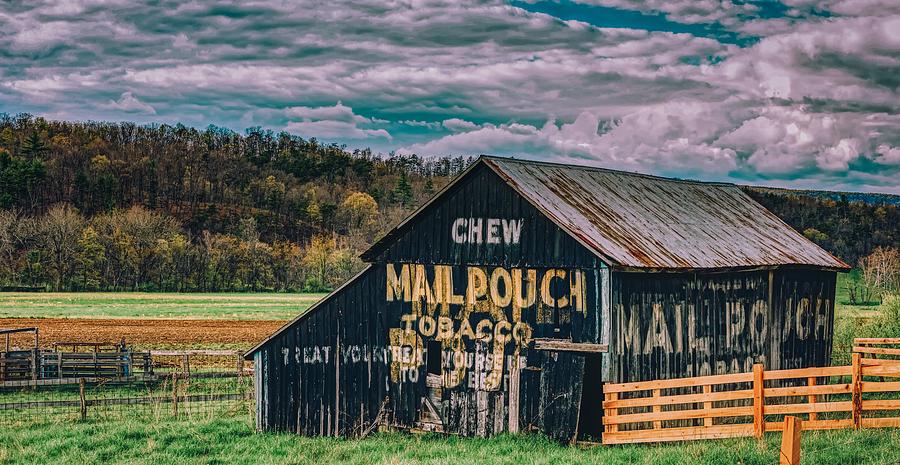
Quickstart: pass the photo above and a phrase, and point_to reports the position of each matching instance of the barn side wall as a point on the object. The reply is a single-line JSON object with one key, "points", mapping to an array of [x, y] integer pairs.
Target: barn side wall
{"points": [[671, 325], [325, 375], [364, 352]]}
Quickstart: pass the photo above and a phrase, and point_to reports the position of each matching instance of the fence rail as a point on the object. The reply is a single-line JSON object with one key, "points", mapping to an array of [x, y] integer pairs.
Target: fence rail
{"points": [[749, 404], [870, 346], [37, 367], [54, 386]]}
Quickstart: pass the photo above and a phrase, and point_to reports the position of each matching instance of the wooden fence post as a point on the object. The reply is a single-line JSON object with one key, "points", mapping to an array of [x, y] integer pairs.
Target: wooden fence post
{"points": [[82, 399], [708, 421], [811, 381], [612, 412], [790, 441], [174, 395], [759, 401], [656, 409], [856, 389], [35, 364]]}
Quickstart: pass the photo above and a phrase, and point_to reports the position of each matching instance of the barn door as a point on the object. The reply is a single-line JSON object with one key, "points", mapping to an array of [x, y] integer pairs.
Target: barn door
{"points": [[431, 417], [590, 415], [562, 374]]}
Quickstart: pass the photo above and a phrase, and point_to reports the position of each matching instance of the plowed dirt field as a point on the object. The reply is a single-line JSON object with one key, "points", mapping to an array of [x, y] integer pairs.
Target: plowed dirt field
{"points": [[147, 333]]}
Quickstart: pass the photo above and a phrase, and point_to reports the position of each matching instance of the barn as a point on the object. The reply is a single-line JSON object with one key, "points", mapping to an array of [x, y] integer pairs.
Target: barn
{"points": [[505, 302]]}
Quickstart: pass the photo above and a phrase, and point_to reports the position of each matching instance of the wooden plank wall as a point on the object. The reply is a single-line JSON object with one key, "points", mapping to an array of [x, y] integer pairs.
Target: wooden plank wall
{"points": [[671, 325]]}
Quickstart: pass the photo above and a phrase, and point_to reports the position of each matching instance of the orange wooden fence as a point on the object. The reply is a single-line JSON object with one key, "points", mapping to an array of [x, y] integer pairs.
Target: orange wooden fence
{"points": [[749, 404], [872, 347]]}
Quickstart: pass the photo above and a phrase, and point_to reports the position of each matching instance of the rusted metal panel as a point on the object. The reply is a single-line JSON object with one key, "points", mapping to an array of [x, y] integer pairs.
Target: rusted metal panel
{"points": [[642, 221]]}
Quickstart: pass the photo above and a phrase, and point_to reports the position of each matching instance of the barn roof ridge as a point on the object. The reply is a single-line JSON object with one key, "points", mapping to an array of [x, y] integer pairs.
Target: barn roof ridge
{"points": [[604, 169], [645, 222]]}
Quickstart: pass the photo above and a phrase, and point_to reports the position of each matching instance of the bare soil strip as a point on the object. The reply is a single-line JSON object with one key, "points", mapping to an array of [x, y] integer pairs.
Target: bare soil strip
{"points": [[147, 333]]}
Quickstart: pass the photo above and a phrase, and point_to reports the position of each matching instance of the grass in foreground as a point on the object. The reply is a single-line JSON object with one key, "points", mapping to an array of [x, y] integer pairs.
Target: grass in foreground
{"points": [[233, 441], [229, 306]]}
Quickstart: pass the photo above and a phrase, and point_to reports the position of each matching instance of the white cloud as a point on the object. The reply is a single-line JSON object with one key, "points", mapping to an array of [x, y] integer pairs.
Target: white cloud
{"points": [[338, 122], [814, 101], [675, 137], [338, 112], [844, 59], [333, 130], [130, 104], [887, 155], [459, 125]]}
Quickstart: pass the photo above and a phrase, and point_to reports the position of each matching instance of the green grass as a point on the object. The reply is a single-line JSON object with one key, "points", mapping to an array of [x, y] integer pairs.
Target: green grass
{"points": [[231, 306], [844, 309], [233, 441], [162, 387], [242, 306]]}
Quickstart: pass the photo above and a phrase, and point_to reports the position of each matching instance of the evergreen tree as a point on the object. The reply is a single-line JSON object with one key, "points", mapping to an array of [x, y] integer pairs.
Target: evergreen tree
{"points": [[33, 146], [429, 186], [403, 193]]}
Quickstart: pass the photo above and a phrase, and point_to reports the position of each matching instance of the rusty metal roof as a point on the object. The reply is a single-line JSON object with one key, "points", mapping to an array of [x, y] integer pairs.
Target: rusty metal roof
{"points": [[640, 221]]}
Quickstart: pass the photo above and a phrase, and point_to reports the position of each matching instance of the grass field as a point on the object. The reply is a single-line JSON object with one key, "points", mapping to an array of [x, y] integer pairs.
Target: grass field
{"points": [[226, 306], [843, 308], [233, 441]]}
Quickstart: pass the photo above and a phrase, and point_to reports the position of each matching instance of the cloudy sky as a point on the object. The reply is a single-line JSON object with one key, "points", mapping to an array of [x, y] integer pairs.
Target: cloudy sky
{"points": [[798, 93]]}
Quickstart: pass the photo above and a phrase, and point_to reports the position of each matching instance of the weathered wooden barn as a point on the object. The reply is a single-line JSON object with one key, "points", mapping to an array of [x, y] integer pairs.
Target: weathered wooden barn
{"points": [[506, 301]]}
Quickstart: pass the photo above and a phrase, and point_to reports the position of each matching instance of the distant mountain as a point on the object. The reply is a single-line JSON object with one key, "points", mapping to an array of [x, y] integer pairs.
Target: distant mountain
{"points": [[837, 196]]}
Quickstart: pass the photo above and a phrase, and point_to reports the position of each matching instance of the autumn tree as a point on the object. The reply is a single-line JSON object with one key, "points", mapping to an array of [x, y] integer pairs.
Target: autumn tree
{"points": [[89, 258], [318, 259], [13, 236], [359, 212], [880, 272], [59, 232]]}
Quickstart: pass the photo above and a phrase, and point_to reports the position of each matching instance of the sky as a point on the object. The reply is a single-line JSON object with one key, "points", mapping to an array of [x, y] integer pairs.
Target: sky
{"points": [[797, 93]]}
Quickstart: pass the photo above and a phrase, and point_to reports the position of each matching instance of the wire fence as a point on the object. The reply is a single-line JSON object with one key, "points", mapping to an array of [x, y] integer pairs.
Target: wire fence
{"points": [[164, 385]]}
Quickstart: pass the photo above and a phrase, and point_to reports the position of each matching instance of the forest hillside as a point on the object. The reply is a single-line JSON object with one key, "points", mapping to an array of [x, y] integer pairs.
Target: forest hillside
{"points": [[121, 206]]}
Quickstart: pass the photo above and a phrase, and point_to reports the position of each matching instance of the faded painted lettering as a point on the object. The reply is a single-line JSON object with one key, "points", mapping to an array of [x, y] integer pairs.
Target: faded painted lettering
{"points": [[486, 230]]}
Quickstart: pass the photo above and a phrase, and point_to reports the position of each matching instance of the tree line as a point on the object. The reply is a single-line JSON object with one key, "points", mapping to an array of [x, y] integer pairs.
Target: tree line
{"points": [[121, 206], [849, 230]]}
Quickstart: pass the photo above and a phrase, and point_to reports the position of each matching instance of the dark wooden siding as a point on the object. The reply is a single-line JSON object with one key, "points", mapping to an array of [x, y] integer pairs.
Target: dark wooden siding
{"points": [[324, 375], [483, 195], [803, 321], [333, 371], [693, 324]]}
